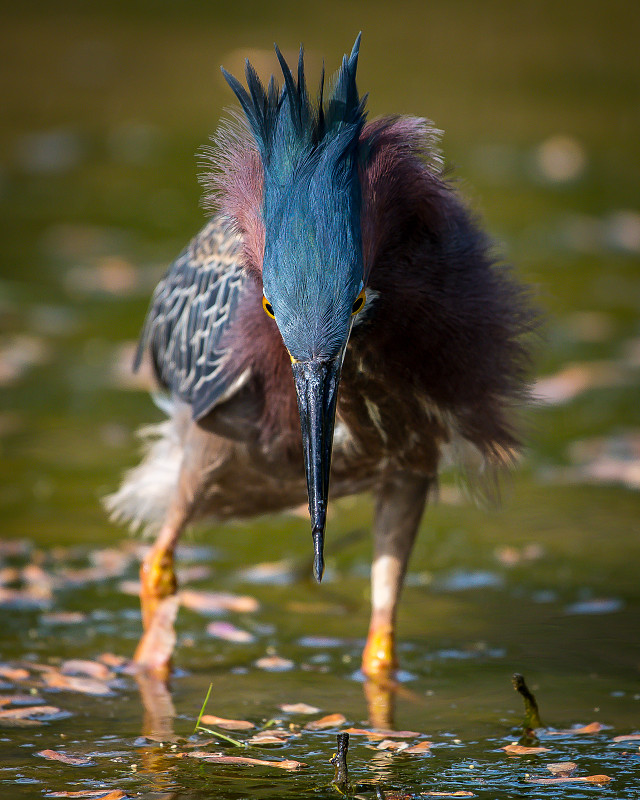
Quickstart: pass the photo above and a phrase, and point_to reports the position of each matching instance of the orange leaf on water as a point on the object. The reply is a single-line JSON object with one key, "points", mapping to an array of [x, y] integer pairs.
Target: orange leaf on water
{"points": [[382, 734], [270, 736], [274, 664], [227, 724], [390, 744], [592, 727], [218, 758], [562, 768], [74, 761], [421, 747], [13, 673], [520, 750], [24, 712], [70, 683], [629, 737], [90, 669], [571, 779], [215, 602], [91, 794], [298, 708], [330, 721]]}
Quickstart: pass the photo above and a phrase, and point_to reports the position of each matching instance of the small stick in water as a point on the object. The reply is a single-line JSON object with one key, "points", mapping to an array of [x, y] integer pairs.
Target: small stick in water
{"points": [[531, 714], [339, 760]]}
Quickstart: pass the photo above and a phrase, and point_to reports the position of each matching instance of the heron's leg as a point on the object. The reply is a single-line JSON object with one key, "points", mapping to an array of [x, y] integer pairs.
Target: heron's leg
{"points": [[159, 603], [401, 501], [157, 573]]}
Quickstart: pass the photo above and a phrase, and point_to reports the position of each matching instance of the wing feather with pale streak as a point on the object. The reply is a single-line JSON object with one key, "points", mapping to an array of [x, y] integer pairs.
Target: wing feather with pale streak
{"points": [[192, 308]]}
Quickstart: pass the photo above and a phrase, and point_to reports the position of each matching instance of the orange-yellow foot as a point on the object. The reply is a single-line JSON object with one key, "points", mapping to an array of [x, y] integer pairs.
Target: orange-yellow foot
{"points": [[159, 603], [155, 648], [157, 582], [379, 656]]}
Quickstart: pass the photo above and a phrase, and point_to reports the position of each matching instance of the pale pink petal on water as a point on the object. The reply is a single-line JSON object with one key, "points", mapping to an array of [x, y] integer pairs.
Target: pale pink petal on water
{"points": [[215, 602], [229, 633], [298, 708]]}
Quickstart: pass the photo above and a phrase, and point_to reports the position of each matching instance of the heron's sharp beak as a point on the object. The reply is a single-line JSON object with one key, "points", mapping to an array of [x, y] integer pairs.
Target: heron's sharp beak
{"points": [[317, 389]]}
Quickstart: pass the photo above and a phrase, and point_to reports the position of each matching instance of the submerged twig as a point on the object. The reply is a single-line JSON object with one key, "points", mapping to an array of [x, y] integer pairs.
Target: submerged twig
{"points": [[532, 719], [532, 715], [339, 760]]}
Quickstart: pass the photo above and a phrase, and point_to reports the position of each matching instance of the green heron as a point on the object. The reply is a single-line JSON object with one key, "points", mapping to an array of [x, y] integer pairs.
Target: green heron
{"points": [[340, 321]]}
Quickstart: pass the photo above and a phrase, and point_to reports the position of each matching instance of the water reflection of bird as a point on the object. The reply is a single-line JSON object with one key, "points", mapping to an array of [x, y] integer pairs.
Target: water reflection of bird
{"points": [[344, 290]]}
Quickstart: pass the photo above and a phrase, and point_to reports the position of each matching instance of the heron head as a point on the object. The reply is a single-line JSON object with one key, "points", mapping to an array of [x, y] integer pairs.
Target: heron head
{"points": [[312, 268]]}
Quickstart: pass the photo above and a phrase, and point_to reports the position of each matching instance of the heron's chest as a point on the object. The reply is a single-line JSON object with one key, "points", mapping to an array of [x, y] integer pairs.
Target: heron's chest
{"points": [[388, 423]]}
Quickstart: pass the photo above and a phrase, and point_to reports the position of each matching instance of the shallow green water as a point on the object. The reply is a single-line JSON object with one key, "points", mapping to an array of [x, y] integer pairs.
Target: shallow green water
{"points": [[103, 109]]}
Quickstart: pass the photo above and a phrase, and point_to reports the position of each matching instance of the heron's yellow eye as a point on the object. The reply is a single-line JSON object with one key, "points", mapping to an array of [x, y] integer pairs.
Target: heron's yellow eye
{"points": [[359, 302], [268, 307]]}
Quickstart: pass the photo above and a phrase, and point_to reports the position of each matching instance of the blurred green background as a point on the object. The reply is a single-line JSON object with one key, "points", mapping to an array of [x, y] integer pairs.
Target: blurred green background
{"points": [[103, 107]]}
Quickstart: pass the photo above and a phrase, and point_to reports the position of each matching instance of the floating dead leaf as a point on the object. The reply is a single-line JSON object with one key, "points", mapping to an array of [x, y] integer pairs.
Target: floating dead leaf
{"points": [[20, 700], [271, 736], [74, 761], [382, 734], [112, 559], [9, 574], [227, 724], [521, 750], [298, 708], [91, 669], [194, 572], [71, 683], [329, 721], [421, 747], [29, 599], [63, 618], [216, 602], [123, 376], [11, 548], [591, 728], [562, 768], [510, 556], [130, 587], [13, 673], [575, 379], [18, 354], [108, 274], [391, 744], [229, 633], [92, 794], [25, 712], [629, 737], [113, 661], [218, 758], [571, 779], [394, 796], [274, 664], [597, 605], [270, 572]]}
